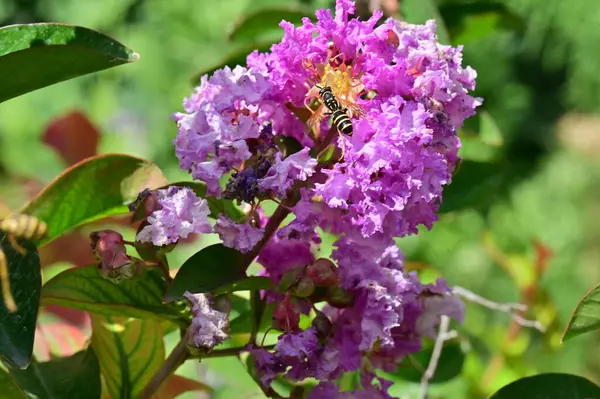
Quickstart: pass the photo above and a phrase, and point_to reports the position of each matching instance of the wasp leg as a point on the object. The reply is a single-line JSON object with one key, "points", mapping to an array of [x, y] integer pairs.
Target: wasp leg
{"points": [[9, 301], [15, 244]]}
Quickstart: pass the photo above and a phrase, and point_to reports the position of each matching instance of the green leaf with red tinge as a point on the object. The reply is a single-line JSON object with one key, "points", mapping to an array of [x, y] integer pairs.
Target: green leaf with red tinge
{"points": [[76, 376], [586, 316], [176, 385], [57, 339], [84, 288], [130, 352], [211, 268], [34, 56], [17, 330], [92, 189], [549, 386]]}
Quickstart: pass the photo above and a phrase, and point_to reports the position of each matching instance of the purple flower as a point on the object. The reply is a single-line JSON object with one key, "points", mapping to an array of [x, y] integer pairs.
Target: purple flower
{"points": [[281, 254], [180, 214], [282, 175], [209, 327], [404, 149], [242, 237], [436, 300]]}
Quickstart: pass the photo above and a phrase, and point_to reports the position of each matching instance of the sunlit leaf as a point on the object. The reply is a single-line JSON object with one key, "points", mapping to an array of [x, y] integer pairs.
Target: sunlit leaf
{"points": [[37, 55], [419, 11], [17, 330], [209, 269], [549, 386], [84, 288], [586, 316], [92, 189], [233, 58], [130, 352], [76, 376], [266, 20], [247, 284]]}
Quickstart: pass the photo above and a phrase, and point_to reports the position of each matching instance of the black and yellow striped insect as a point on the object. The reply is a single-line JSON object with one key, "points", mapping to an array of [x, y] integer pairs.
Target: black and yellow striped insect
{"points": [[17, 226], [339, 114]]}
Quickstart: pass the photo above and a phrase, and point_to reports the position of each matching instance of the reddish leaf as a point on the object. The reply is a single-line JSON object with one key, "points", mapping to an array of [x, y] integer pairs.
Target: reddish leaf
{"points": [[56, 339], [73, 136], [74, 317], [176, 385]]}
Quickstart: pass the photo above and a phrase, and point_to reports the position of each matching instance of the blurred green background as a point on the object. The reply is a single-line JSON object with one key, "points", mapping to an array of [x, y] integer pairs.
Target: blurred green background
{"points": [[530, 182]]}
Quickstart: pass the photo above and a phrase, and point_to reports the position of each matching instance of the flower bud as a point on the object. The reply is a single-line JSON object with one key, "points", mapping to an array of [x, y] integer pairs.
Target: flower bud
{"points": [[290, 278], [304, 288], [323, 272], [109, 249], [145, 203], [338, 297], [323, 325], [285, 316]]}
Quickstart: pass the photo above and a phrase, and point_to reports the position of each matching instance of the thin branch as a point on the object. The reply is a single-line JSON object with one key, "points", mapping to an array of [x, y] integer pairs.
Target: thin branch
{"points": [[443, 335], [176, 358], [510, 308]]}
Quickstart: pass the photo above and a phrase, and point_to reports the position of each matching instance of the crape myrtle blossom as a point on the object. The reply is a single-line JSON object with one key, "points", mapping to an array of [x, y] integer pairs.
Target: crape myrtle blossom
{"points": [[387, 182], [180, 213], [209, 326]]}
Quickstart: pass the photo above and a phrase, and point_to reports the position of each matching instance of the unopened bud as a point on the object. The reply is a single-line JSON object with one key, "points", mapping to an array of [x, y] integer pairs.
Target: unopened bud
{"points": [[323, 325], [285, 317], [338, 297], [290, 278], [109, 249], [145, 203], [323, 272], [304, 288]]}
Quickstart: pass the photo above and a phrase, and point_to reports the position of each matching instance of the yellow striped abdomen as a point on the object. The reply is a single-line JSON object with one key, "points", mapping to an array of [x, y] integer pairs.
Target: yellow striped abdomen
{"points": [[24, 226]]}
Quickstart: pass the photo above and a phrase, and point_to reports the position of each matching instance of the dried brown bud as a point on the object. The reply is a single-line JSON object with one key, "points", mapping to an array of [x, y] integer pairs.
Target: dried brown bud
{"points": [[323, 272]]}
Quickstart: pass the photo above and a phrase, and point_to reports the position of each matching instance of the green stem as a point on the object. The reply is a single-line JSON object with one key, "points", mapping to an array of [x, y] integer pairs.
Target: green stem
{"points": [[179, 355]]}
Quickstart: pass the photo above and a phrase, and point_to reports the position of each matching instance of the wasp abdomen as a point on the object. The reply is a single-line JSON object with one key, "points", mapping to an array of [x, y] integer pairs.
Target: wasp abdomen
{"points": [[24, 226], [342, 121]]}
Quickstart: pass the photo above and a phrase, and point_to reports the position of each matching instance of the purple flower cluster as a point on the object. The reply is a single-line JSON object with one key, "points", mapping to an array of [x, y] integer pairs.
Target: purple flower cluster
{"points": [[387, 182], [179, 213]]}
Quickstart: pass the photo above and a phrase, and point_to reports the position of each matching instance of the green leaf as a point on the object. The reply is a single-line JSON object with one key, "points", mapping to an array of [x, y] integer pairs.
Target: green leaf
{"points": [[92, 189], [489, 132], [449, 365], [471, 22], [586, 316], [234, 58], [207, 270], [419, 11], [10, 389], [76, 376], [217, 206], [266, 20], [130, 352], [33, 56], [17, 329], [247, 284], [84, 288], [549, 386]]}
